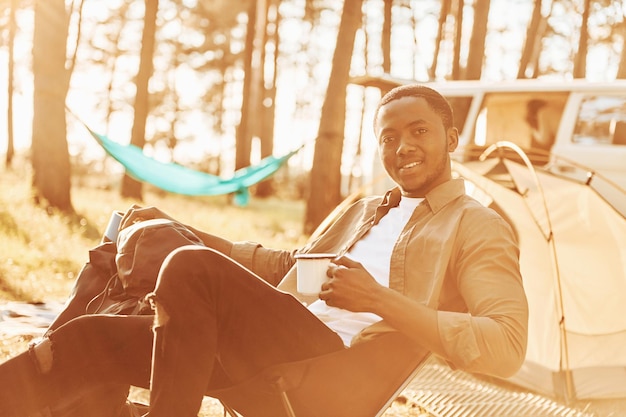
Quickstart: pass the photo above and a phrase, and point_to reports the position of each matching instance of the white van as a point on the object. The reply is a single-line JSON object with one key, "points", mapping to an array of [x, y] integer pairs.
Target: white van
{"points": [[554, 122]]}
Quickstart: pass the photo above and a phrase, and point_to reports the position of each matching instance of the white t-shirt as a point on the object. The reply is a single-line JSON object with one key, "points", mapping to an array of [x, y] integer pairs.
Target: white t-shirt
{"points": [[373, 251]]}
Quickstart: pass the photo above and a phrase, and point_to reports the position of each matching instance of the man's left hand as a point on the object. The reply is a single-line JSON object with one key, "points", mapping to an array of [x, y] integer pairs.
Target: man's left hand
{"points": [[350, 286]]}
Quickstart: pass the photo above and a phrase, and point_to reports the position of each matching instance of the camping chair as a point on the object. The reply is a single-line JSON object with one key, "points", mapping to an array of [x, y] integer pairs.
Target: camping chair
{"points": [[361, 381]]}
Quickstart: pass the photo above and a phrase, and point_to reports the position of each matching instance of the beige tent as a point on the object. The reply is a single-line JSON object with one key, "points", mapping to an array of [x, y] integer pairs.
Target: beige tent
{"points": [[573, 259]]}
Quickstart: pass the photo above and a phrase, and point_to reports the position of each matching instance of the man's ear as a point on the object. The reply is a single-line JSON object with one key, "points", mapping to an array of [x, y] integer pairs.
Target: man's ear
{"points": [[453, 138]]}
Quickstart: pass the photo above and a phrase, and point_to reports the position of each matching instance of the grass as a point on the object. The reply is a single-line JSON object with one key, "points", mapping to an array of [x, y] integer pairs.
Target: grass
{"points": [[43, 251]]}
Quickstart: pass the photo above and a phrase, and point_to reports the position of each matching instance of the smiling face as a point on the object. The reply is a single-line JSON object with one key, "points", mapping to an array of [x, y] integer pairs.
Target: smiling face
{"points": [[414, 144]]}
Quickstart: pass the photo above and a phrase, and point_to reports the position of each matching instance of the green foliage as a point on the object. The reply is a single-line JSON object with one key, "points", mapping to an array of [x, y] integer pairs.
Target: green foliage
{"points": [[42, 252]]}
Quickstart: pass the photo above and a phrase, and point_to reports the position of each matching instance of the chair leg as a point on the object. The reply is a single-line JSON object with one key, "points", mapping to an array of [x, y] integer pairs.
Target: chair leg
{"points": [[281, 386], [228, 410], [287, 404]]}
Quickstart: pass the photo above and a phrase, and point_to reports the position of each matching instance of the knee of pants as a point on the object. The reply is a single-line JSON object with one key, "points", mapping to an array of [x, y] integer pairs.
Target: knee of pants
{"points": [[161, 316], [42, 355], [43, 352], [186, 274], [47, 351], [183, 254]]}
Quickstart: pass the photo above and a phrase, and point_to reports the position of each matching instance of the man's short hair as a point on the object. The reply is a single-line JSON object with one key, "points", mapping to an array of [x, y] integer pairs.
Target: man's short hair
{"points": [[438, 103]]}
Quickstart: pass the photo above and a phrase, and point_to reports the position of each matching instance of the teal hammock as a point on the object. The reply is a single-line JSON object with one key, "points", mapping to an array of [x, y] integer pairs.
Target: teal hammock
{"points": [[177, 179]]}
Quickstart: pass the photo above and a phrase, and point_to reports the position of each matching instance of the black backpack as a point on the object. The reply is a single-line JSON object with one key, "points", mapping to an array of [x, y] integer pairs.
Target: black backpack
{"points": [[120, 274]]}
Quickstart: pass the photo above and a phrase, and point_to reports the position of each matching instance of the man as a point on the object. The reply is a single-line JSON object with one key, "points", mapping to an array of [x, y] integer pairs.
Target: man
{"points": [[425, 261]]}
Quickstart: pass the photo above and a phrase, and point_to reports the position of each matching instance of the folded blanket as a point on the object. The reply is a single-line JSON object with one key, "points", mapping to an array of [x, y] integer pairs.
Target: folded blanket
{"points": [[19, 318]]}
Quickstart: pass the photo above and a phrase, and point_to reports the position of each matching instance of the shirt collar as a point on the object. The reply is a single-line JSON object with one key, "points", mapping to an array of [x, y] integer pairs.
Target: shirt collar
{"points": [[437, 198]]}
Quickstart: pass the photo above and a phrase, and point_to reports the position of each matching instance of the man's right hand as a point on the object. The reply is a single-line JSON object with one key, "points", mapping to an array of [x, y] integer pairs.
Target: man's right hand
{"points": [[137, 213]]}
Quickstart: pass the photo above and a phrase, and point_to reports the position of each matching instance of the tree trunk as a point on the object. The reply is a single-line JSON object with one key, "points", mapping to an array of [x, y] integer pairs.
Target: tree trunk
{"points": [[325, 190], [580, 61], [11, 41], [458, 38], [621, 70], [533, 41], [110, 66], [132, 188], [476, 55], [244, 130], [268, 105], [50, 155], [443, 17], [386, 37]]}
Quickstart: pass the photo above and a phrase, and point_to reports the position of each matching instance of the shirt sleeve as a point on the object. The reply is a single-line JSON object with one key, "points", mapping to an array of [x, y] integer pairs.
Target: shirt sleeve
{"points": [[269, 264], [491, 337]]}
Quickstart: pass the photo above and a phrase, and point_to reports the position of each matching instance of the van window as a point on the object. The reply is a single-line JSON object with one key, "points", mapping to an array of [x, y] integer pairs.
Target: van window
{"points": [[601, 120], [529, 119]]}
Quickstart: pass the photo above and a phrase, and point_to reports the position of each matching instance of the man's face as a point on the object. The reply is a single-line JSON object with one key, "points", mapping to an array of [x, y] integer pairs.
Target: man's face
{"points": [[414, 145]]}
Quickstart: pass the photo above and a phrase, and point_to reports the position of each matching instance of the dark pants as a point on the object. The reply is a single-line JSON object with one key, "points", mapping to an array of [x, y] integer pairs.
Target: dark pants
{"points": [[224, 325], [223, 318]]}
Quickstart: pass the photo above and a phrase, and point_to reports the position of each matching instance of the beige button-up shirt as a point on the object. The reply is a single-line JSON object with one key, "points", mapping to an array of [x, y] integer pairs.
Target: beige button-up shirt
{"points": [[454, 255]]}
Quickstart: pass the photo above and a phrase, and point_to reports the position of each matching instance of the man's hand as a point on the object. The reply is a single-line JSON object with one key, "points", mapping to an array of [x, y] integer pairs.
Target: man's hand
{"points": [[350, 286], [137, 213]]}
